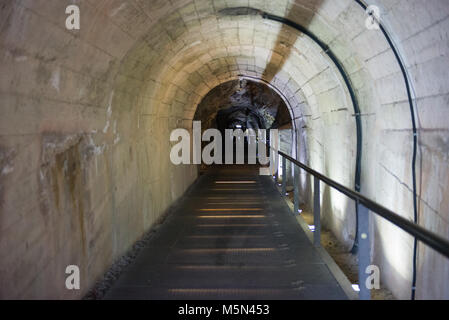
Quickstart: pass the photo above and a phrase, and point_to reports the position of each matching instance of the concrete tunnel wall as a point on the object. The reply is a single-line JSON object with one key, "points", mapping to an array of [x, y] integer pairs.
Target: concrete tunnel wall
{"points": [[86, 117]]}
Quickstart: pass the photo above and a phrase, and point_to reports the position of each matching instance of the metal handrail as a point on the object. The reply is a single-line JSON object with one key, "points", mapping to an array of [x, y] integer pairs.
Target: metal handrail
{"points": [[433, 240]]}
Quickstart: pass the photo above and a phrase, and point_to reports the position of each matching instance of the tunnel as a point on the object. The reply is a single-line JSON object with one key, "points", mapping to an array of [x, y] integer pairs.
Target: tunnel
{"points": [[91, 91]]}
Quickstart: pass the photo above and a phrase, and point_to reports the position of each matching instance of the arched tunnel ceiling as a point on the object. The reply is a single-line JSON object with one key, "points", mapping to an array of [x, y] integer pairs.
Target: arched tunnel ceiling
{"points": [[203, 48], [196, 47], [139, 68], [176, 59]]}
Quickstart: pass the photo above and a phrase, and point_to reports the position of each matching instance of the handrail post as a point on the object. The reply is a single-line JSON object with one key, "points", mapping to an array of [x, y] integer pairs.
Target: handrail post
{"points": [[284, 176], [276, 175], [296, 189], [316, 212], [364, 255]]}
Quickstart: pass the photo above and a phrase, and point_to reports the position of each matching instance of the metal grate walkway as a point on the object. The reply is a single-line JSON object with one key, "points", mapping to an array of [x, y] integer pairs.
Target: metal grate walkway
{"points": [[232, 237]]}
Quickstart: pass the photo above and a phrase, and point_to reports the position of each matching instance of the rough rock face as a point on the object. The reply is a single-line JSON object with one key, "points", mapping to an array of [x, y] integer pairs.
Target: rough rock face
{"points": [[250, 103]]}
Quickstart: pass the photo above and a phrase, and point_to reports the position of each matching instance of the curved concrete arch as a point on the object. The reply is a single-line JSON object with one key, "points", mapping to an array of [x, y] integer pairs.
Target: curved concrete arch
{"points": [[105, 98]]}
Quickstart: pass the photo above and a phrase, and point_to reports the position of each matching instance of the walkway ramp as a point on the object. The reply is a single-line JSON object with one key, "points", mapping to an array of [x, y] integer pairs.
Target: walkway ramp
{"points": [[232, 237]]}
